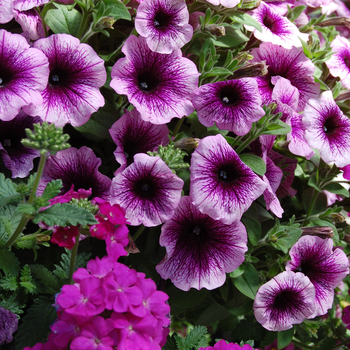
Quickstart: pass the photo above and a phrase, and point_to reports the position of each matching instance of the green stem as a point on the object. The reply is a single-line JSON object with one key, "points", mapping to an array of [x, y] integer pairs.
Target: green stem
{"points": [[83, 23], [138, 232], [345, 342], [303, 346], [73, 259], [245, 143], [22, 224], [311, 206], [178, 126]]}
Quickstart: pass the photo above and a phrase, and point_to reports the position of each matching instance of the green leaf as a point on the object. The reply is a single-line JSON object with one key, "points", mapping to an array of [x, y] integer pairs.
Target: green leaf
{"points": [[52, 189], [13, 303], [9, 283], [9, 262], [306, 49], [65, 214], [323, 85], [244, 18], [284, 338], [238, 272], [253, 228], [285, 237], [249, 282], [46, 277], [254, 162], [277, 128], [117, 9], [9, 220], [313, 182], [216, 72], [296, 12], [337, 189], [8, 193], [63, 20], [232, 38], [170, 343], [35, 325], [195, 339], [26, 280]]}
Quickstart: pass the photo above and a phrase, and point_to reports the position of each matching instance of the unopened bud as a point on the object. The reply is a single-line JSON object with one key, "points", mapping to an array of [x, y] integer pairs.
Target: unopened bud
{"points": [[335, 21], [250, 70], [320, 231], [106, 22], [131, 247], [215, 30], [250, 4], [187, 144], [343, 95]]}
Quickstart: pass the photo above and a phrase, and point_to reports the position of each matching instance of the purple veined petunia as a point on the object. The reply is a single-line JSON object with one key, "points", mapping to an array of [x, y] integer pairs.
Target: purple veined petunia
{"points": [[291, 64], [76, 74], [24, 5], [78, 167], [225, 3], [133, 135], [233, 105], [6, 11], [324, 266], [17, 158], [8, 325], [287, 299], [276, 28], [159, 86], [339, 63], [147, 190], [31, 23], [327, 129], [24, 73], [200, 250], [222, 186], [164, 24]]}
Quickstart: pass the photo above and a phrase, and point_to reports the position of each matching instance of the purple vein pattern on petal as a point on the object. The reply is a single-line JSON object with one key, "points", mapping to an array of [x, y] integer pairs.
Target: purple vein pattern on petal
{"points": [[6, 11]]}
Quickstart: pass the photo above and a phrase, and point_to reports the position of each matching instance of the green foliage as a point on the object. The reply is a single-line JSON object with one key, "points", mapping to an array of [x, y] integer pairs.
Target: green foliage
{"points": [[10, 301], [26, 280], [46, 278], [194, 340], [65, 214], [284, 237], [253, 228], [9, 283], [284, 338], [249, 282], [9, 263], [244, 18], [52, 189], [254, 162], [8, 193], [9, 220]]}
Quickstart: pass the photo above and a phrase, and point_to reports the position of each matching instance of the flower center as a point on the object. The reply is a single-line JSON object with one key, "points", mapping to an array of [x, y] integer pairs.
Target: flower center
{"points": [[145, 188], [5, 77], [197, 230], [162, 19], [229, 95], [270, 23], [147, 81], [6, 143], [287, 300], [329, 126], [347, 61], [57, 77], [227, 173]]}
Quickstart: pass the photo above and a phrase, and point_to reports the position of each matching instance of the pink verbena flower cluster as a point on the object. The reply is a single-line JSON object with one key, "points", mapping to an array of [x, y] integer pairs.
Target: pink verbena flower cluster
{"points": [[223, 345]]}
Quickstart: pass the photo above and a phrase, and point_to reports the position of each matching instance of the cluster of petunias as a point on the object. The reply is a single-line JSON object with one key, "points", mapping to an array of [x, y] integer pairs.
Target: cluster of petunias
{"points": [[306, 289]]}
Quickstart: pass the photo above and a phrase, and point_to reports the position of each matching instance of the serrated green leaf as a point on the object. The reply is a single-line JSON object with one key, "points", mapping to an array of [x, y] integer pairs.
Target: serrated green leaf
{"points": [[9, 220], [195, 339], [284, 338], [9, 283], [8, 193], [244, 18], [26, 280], [52, 189], [35, 325], [46, 277], [9, 262], [249, 282], [65, 214], [337, 189], [26, 208], [254, 162], [63, 20], [12, 302]]}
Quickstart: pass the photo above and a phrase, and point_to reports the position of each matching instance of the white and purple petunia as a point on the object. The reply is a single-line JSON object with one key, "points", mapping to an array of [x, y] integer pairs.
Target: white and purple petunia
{"points": [[325, 266], [147, 190], [339, 63], [291, 64], [31, 23], [78, 167], [164, 24], [159, 86], [17, 158], [327, 129], [287, 299], [6, 11], [225, 3], [233, 105], [222, 186], [24, 74], [76, 74], [276, 28], [200, 250], [24, 5], [133, 135]]}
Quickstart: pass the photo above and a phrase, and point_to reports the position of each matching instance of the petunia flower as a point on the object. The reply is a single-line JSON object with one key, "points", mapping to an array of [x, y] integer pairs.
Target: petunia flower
{"points": [[147, 190], [276, 28], [339, 63], [6, 13], [76, 73], [222, 186], [31, 23], [24, 5], [78, 167], [327, 129], [224, 3], [8, 325], [133, 135], [24, 73], [291, 64], [17, 158], [164, 24], [324, 266], [287, 299], [200, 250], [233, 105], [159, 86]]}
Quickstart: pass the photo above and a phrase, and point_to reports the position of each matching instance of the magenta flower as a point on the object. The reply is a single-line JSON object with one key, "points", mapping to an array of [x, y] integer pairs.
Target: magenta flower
{"points": [[164, 24], [24, 74], [159, 86], [290, 64], [65, 236], [287, 299], [76, 73], [147, 190], [223, 345], [276, 28], [233, 105], [222, 186], [116, 241], [200, 250], [328, 129], [8, 325], [324, 266], [78, 167], [17, 158], [31, 24], [133, 135]]}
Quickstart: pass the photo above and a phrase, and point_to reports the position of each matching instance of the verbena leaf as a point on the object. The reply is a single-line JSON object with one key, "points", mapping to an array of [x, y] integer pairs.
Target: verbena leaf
{"points": [[249, 282], [9, 220], [63, 20], [254, 162], [9, 262], [11, 302], [170, 343], [52, 189], [65, 214], [284, 338], [35, 324], [26, 280], [195, 339], [46, 277], [8, 193], [9, 283]]}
